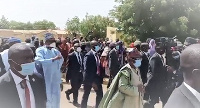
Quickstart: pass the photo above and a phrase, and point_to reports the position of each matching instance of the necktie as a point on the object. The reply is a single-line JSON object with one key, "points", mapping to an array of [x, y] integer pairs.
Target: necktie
{"points": [[80, 62], [98, 64], [79, 58], [27, 93], [162, 59]]}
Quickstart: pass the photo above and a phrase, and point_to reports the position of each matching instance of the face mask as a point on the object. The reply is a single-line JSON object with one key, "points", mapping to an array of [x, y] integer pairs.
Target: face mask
{"points": [[27, 68], [97, 48], [117, 47], [176, 57], [53, 45], [79, 49], [137, 63]]}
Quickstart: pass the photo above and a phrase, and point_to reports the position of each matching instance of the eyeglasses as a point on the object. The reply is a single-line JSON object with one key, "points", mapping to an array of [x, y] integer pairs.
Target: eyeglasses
{"points": [[136, 58]]}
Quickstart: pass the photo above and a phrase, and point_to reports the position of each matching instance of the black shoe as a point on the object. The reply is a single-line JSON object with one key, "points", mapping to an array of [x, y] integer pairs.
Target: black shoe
{"points": [[67, 95], [76, 104]]}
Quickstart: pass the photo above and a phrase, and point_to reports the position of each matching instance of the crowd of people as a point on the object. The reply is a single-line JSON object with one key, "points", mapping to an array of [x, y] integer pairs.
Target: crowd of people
{"points": [[139, 75]]}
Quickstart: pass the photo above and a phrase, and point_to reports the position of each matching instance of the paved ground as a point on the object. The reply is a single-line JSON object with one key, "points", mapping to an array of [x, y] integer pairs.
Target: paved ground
{"points": [[91, 100]]}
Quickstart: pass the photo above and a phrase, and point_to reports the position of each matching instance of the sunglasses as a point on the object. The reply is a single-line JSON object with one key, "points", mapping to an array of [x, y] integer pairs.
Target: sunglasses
{"points": [[136, 58]]}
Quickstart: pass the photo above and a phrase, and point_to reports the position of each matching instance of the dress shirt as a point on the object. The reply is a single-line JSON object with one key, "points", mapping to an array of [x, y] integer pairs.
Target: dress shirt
{"points": [[162, 58], [21, 92], [97, 60], [94, 53], [78, 56], [194, 92], [4, 56], [147, 54]]}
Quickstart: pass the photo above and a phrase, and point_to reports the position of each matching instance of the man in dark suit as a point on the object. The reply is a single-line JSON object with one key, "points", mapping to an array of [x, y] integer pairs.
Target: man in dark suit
{"points": [[145, 62], [156, 82], [75, 69], [188, 94], [114, 64], [92, 75], [20, 87]]}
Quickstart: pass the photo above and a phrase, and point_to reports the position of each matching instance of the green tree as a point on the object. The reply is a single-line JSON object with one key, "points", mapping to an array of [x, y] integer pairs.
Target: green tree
{"points": [[14, 25], [158, 18], [73, 25], [44, 25], [91, 26], [28, 26], [4, 23], [95, 26]]}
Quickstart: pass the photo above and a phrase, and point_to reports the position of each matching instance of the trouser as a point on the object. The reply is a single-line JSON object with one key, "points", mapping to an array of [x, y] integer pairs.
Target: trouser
{"points": [[87, 89], [111, 77], [153, 102], [75, 86], [153, 98]]}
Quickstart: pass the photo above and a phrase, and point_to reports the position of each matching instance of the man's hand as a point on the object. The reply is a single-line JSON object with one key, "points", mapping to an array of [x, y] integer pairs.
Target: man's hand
{"points": [[94, 86], [170, 69], [57, 58], [141, 88]]}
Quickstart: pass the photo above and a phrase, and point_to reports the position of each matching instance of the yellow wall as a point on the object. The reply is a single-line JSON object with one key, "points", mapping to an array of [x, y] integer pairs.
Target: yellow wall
{"points": [[112, 34], [23, 34]]}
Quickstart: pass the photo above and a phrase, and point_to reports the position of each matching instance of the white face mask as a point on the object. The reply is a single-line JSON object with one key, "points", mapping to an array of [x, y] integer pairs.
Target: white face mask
{"points": [[53, 45], [79, 49]]}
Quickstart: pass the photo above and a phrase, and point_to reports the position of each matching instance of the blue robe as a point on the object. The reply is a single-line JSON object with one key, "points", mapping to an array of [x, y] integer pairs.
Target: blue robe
{"points": [[52, 74]]}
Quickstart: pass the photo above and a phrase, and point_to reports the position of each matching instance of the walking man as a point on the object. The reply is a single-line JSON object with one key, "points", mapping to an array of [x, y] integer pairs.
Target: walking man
{"points": [[75, 69], [92, 75], [51, 60]]}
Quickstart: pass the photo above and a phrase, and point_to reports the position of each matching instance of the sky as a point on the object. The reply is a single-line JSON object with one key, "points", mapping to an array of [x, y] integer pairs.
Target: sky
{"points": [[57, 11]]}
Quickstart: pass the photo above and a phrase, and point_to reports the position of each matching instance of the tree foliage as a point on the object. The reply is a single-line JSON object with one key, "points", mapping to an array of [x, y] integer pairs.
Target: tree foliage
{"points": [[4, 23], [15, 25], [43, 25], [73, 25], [91, 26], [158, 18]]}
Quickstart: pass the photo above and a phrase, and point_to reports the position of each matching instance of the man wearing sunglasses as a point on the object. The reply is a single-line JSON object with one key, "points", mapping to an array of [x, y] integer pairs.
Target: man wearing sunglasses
{"points": [[188, 94]]}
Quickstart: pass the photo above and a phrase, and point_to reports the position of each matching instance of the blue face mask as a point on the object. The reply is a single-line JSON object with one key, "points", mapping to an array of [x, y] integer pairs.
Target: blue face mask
{"points": [[27, 68], [137, 63], [97, 48], [117, 47]]}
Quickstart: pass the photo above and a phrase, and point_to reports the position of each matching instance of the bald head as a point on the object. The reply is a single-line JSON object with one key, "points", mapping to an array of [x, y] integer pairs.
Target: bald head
{"points": [[190, 57], [18, 49], [19, 54], [190, 66]]}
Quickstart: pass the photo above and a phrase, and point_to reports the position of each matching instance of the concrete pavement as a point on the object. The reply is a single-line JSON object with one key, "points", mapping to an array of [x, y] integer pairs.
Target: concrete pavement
{"points": [[91, 100]]}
